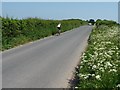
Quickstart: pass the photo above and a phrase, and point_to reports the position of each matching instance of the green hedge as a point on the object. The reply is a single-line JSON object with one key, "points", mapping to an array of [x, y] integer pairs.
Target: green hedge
{"points": [[109, 23], [16, 32]]}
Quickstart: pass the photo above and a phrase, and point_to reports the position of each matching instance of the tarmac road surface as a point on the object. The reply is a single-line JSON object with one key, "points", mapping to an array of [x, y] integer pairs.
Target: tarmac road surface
{"points": [[46, 63]]}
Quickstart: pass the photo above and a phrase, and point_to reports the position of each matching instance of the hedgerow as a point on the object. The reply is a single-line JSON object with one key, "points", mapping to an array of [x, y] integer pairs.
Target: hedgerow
{"points": [[20, 31]]}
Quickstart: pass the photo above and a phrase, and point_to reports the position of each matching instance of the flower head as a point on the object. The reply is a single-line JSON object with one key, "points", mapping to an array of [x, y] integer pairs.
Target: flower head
{"points": [[97, 77]]}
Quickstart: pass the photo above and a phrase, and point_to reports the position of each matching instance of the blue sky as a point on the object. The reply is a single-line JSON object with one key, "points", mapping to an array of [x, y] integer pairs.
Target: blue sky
{"points": [[61, 10]]}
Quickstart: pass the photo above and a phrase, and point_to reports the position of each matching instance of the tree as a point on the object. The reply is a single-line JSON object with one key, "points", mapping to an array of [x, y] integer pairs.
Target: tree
{"points": [[91, 21]]}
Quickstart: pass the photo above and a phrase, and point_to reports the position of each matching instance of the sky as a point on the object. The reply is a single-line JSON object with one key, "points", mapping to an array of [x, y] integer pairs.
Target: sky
{"points": [[61, 10], [60, 0], [119, 12]]}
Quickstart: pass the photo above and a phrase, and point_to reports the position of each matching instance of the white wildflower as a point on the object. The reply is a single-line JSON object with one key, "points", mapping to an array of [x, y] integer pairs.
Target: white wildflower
{"points": [[98, 64], [86, 77], [101, 61], [81, 75], [117, 53], [97, 77], [101, 48], [83, 54], [76, 87], [93, 75], [94, 67], [95, 48], [89, 74], [81, 62], [96, 53], [100, 53], [116, 47], [105, 66], [118, 85], [113, 70], [108, 42], [81, 67], [108, 64], [85, 61], [111, 52], [101, 69], [94, 43], [107, 55], [116, 65]]}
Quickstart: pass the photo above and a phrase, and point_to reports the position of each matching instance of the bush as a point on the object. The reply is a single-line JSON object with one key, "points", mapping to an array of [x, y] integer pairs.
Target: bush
{"points": [[109, 23]]}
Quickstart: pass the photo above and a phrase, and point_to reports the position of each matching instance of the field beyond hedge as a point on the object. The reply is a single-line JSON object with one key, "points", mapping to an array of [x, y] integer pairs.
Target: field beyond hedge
{"points": [[16, 32], [100, 63]]}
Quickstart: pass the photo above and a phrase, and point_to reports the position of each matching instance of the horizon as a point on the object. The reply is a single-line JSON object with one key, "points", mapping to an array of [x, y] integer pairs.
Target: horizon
{"points": [[55, 19]]}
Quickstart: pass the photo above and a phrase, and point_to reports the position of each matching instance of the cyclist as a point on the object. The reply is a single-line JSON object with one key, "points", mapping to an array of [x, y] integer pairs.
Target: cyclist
{"points": [[59, 28]]}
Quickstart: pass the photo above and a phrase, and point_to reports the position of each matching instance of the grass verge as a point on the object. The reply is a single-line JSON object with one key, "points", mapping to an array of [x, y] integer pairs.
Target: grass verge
{"points": [[100, 63]]}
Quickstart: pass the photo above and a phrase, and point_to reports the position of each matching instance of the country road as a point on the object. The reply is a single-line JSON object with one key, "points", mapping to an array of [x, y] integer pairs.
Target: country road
{"points": [[46, 63]]}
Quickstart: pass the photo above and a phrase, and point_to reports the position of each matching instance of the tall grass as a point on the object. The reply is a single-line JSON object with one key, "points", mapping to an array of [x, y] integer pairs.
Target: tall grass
{"points": [[16, 32]]}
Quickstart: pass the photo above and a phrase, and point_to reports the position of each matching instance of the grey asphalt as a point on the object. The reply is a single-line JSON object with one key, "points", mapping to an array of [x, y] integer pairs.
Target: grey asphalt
{"points": [[46, 63]]}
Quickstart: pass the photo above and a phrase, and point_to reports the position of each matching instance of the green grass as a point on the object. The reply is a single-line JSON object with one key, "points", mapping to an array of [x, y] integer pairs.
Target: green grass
{"points": [[100, 63], [16, 32]]}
